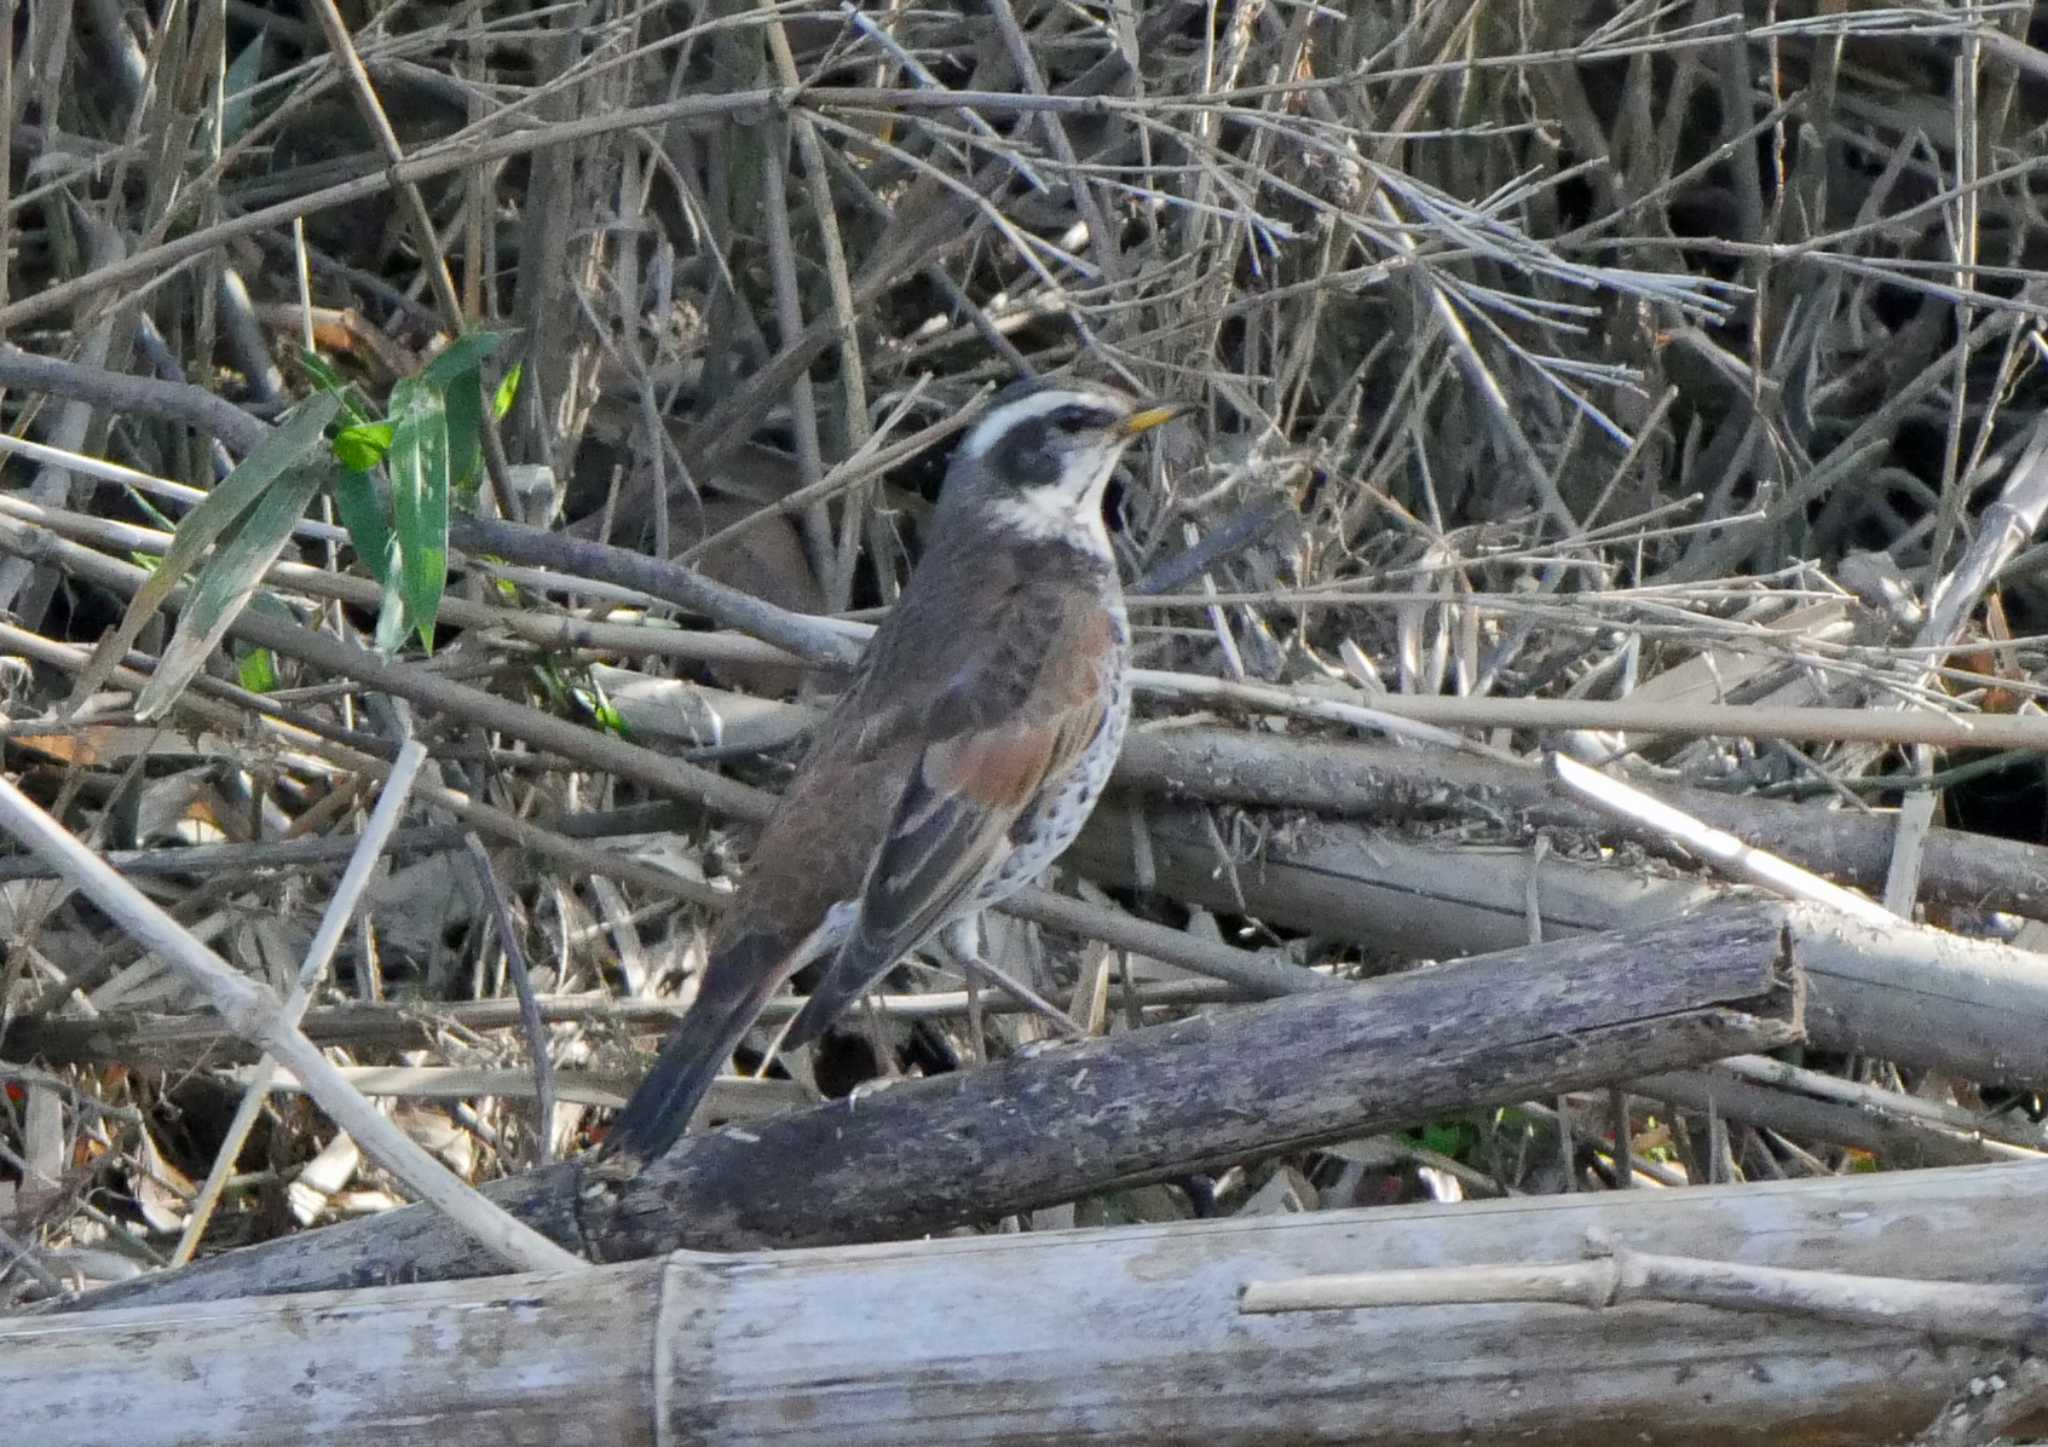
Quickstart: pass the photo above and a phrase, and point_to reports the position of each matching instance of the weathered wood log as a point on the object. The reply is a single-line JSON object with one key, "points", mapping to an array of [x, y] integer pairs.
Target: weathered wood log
{"points": [[1406, 897], [1921, 996], [1389, 784], [1124, 1336], [1146, 1105]]}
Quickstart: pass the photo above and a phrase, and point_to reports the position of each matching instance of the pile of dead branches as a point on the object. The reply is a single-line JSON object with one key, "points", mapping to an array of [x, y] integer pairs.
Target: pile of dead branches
{"points": [[476, 439]]}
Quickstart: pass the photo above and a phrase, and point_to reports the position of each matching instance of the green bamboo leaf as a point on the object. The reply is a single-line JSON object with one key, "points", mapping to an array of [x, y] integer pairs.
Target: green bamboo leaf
{"points": [[257, 670], [508, 391], [327, 379], [363, 514], [418, 463], [269, 460], [362, 447], [463, 355], [243, 72], [228, 580], [322, 372], [465, 406], [458, 373]]}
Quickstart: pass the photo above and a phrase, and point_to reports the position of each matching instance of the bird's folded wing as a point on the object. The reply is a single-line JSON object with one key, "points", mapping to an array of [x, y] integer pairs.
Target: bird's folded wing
{"points": [[951, 826]]}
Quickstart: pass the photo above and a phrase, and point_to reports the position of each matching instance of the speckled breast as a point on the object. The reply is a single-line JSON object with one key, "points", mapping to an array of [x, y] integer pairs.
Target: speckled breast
{"points": [[1043, 833]]}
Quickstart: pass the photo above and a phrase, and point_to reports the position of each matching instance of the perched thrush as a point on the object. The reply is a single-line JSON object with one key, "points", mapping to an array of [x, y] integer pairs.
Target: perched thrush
{"points": [[979, 731]]}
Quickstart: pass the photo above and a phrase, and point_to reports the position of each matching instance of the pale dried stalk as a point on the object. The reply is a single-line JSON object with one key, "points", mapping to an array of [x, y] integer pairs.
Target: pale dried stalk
{"points": [[257, 1015]]}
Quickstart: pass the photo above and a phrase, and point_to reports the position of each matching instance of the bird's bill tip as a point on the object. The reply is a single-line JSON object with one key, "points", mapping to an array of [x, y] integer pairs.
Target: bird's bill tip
{"points": [[1147, 418]]}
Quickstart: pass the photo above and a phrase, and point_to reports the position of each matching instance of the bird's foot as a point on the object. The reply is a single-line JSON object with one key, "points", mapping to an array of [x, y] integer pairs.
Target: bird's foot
{"points": [[988, 974]]}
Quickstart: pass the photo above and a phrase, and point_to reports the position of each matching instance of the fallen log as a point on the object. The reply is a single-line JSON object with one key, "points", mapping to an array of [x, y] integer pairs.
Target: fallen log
{"points": [[1389, 784], [1905, 992], [1141, 1106], [1130, 1335]]}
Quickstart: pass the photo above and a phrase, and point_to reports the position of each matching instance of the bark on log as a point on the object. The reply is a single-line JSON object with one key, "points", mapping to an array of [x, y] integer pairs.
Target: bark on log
{"points": [[1146, 1105], [1122, 1336]]}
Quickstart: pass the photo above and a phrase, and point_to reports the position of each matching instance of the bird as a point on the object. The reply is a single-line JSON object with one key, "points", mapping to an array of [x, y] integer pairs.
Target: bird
{"points": [[981, 724]]}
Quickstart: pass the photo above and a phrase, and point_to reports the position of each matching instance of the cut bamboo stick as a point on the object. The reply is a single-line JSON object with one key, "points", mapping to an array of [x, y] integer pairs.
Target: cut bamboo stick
{"points": [[1123, 1336]]}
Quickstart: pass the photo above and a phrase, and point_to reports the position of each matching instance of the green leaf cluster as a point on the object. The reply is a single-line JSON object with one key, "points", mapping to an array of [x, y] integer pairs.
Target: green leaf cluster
{"points": [[427, 447], [244, 522]]}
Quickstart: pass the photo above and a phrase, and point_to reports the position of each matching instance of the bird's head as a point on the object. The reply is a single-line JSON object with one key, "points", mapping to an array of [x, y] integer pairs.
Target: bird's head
{"points": [[1037, 460]]}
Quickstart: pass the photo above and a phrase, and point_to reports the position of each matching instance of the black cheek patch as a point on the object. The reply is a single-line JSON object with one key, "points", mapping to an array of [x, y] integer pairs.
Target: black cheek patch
{"points": [[1024, 456]]}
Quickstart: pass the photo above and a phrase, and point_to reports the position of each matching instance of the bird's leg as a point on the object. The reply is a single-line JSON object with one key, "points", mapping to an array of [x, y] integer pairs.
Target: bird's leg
{"points": [[880, 1038], [977, 1022], [961, 943]]}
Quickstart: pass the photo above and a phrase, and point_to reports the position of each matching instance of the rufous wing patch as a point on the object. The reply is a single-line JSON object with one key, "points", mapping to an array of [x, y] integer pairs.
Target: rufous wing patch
{"points": [[999, 769]]}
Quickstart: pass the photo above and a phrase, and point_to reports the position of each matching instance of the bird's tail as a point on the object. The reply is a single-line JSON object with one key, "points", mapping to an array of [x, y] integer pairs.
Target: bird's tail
{"points": [[853, 972], [738, 982]]}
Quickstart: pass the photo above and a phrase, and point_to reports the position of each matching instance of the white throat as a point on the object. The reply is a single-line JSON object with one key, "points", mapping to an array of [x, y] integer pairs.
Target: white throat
{"points": [[1051, 514], [1069, 510]]}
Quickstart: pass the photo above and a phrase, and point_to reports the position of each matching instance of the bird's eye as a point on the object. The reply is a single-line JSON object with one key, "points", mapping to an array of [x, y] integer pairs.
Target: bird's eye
{"points": [[1074, 419]]}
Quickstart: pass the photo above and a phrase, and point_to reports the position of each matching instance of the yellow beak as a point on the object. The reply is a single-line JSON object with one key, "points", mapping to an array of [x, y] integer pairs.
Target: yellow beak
{"points": [[1147, 418]]}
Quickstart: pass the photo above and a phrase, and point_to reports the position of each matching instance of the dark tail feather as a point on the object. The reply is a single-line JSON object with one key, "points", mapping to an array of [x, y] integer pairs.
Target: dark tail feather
{"points": [[852, 973], [736, 986]]}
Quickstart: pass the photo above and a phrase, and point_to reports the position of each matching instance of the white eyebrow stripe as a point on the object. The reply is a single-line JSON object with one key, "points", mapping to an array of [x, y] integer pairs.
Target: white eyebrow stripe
{"points": [[1039, 404]]}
